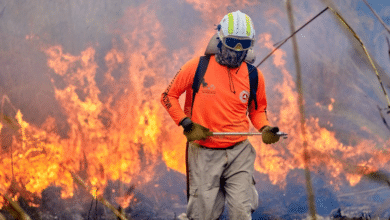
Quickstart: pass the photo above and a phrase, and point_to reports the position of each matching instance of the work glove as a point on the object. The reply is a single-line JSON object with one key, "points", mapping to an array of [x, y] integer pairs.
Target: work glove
{"points": [[269, 134], [194, 131]]}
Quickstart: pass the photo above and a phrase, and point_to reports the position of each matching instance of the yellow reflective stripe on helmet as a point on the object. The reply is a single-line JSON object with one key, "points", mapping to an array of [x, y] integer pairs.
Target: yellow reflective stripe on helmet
{"points": [[231, 23], [248, 25]]}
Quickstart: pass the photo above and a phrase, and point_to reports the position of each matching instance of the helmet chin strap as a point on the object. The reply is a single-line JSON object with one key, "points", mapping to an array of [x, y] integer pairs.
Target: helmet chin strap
{"points": [[229, 57]]}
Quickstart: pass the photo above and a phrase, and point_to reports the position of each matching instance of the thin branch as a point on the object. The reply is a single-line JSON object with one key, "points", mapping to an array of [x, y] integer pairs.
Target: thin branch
{"points": [[279, 44], [377, 16], [306, 157], [349, 28], [15, 210], [100, 198]]}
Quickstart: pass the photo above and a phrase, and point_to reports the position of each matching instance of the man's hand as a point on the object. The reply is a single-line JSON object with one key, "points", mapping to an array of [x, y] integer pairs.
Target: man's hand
{"points": [[269, 134], [194, 131]]}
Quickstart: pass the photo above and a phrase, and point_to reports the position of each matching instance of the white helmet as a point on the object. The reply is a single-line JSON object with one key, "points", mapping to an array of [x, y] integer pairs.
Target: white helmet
{"points": [[237, 25]]}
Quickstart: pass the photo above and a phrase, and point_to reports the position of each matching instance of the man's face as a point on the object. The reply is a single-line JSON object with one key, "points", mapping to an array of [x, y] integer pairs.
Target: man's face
{"points": [[231, 58]]}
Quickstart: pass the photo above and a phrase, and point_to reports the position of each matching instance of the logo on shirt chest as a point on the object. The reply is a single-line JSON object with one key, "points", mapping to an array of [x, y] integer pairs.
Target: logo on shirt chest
{"points": [[208, 88], [244, 96]]}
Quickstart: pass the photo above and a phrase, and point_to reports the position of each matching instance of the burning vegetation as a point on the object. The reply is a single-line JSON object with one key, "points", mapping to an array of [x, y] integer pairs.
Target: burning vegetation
{"points": [[107, 138]]}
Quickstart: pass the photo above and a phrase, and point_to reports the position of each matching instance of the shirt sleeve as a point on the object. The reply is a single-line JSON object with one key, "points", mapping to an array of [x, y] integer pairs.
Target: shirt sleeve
{"points": [[179, 84], [258, 116]]}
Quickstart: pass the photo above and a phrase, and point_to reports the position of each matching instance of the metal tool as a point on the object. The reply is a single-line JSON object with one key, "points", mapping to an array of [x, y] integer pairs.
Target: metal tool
{"points": [[281, 134]]}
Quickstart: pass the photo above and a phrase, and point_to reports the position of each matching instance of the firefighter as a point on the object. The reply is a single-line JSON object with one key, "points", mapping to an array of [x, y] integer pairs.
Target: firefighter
{"points": [[220, 168]]}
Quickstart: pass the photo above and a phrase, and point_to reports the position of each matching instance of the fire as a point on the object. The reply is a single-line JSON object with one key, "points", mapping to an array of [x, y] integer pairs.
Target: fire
{"points": [[115, 151], [118, 129], [113, 136], [35, 161], [330, 106], [122, 144], [276, 160]]}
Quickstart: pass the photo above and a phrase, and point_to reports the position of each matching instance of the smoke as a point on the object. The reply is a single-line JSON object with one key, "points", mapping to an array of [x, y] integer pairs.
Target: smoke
{"points": [[187, 26]]}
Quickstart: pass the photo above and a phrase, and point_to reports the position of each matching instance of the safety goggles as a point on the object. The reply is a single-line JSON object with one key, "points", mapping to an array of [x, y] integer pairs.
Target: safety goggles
{"points": [[237, 44]]}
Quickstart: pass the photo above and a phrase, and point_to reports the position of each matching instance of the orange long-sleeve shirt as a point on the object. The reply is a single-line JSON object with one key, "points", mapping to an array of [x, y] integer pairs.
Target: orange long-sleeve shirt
{"points": [[221, 103]]}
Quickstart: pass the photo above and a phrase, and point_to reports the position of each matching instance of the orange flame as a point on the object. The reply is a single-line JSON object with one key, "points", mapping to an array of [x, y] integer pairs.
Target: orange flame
{"points": [[330, 106], [115, 139], [276, 160]]}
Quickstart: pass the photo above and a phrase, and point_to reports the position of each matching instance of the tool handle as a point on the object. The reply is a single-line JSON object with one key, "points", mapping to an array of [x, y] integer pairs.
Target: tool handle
{"points": [[281, 134]]}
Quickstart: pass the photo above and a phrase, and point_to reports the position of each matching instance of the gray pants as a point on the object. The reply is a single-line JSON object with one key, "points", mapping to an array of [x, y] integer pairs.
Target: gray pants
{"points": [[217, 176]]}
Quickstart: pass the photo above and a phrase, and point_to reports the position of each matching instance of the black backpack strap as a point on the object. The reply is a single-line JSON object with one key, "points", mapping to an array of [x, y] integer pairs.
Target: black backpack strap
{"points": [[199, 74], [253, 83]]}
